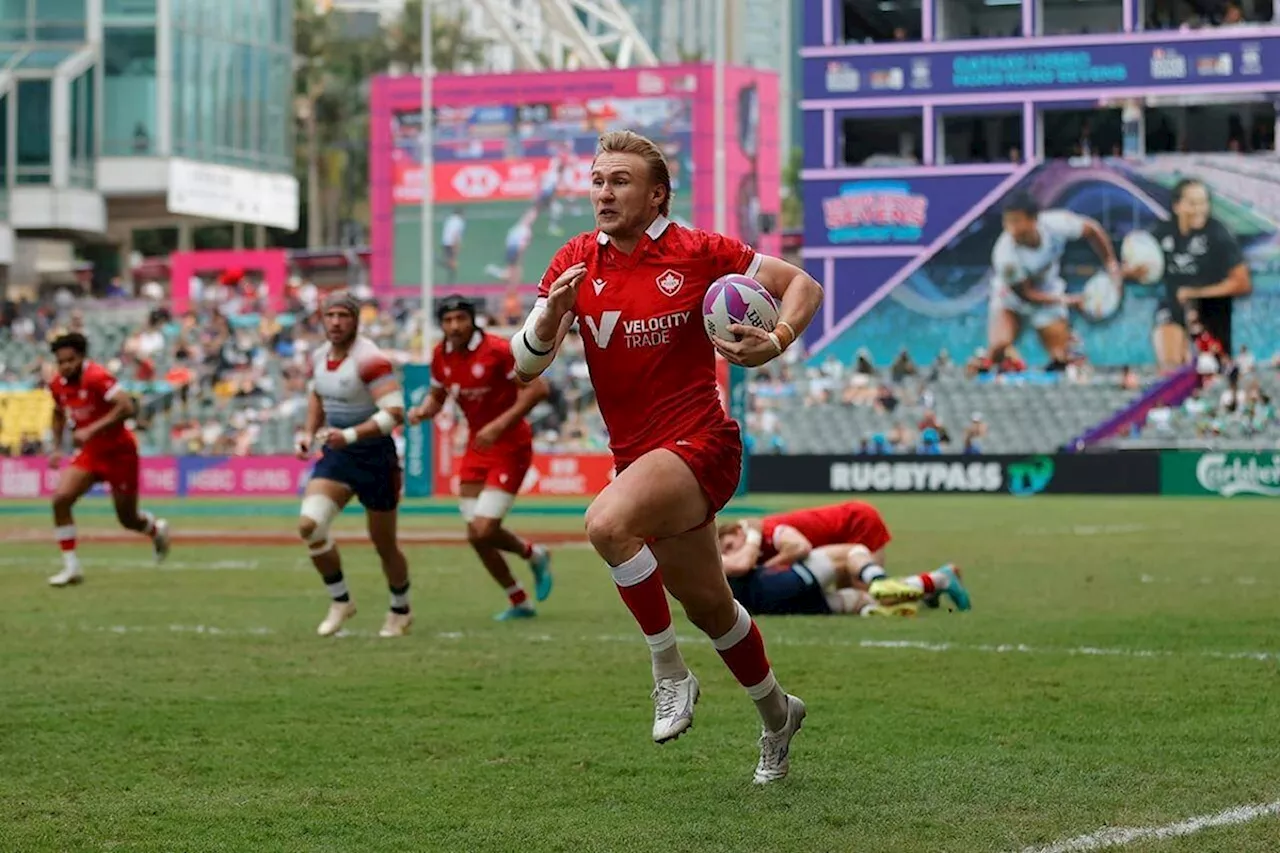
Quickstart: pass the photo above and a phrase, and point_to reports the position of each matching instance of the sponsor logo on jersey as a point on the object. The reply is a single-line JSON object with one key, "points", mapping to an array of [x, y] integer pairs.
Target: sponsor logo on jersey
{"points": [[648, 332]]}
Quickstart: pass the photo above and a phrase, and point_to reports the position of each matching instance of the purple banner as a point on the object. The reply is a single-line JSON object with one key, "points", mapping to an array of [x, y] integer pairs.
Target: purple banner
{"points": [[170, 476], [884, 212], [1046, 66]]}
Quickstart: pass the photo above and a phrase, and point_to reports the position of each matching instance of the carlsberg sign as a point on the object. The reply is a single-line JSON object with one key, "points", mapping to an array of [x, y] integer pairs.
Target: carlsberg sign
{"points": [[1225, 474]]}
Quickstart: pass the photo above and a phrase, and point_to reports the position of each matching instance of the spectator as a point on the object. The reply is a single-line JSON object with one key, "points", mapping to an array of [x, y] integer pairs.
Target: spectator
{"points": [[1245, 361], [899, 438], [1129, 379], [902, 367], [930, 442], [886, 400], [974, 433]]}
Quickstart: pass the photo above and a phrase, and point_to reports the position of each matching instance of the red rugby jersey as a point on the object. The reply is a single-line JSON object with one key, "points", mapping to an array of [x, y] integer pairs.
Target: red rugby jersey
{"points": [[640, 315], [481, 377]]}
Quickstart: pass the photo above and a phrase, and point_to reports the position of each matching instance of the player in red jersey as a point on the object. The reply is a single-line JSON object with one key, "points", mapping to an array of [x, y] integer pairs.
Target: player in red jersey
{"points": [[677, 454], [478, 371], [779, 541], [88, 397]]}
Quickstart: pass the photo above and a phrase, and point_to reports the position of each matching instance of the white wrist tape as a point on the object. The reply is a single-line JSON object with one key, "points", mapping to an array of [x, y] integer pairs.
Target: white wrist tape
{"points": [[350, 436], [385, 421], [753, 536], [532, 354]]}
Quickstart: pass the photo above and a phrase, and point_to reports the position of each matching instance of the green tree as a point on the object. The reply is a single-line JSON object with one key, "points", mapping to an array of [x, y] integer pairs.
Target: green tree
{"points": [[452, 48], [332, 82], [792, 199]]}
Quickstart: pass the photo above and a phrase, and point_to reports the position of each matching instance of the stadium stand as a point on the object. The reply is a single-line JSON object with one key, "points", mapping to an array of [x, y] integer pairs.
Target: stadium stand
{"points": [[229, 380]]}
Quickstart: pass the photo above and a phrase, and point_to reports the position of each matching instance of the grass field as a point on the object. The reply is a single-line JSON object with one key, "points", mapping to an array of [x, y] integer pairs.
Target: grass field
{"points": [[1118, 669]]}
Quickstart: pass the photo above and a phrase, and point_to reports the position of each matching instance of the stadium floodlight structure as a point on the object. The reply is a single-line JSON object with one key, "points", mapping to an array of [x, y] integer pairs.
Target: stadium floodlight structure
{"points": [[542, 35]]}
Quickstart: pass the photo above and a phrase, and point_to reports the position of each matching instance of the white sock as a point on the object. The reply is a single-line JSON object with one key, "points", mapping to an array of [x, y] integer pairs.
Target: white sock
{"points": [[149, 521], [870, 573], [67, 533], [667, 660], [940, 581]]}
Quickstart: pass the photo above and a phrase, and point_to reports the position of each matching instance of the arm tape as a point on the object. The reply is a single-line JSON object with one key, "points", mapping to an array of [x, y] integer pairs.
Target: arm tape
{"points": [[385, 421], [532, 354]]}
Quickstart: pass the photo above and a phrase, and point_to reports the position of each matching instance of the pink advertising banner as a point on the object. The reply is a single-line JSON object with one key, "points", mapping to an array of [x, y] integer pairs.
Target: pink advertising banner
{"points": [[168, 476], [511, 154]]}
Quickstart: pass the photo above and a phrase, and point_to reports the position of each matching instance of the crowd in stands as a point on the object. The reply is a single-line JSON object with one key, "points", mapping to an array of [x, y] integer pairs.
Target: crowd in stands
{"points": [[1235, 399]]}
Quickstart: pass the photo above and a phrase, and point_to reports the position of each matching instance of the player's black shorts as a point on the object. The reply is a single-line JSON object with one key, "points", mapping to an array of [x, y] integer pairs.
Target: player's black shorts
{"points": [[793, 591], [371, 469], [1215, 316]]}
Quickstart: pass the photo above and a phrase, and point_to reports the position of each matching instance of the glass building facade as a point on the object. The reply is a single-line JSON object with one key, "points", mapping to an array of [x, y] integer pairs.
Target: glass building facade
{"points": [[205, 80]]}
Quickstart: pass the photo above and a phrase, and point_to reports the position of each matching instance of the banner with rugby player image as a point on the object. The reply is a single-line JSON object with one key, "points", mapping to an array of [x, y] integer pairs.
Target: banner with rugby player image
{"points": [[1192, 221], [512, 157]]}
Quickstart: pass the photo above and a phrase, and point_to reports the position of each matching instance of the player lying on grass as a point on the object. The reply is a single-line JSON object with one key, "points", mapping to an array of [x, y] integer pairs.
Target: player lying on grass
{"points": [[354, 406], [780, 540], [88, 398], [824, 582], [479, 372]]}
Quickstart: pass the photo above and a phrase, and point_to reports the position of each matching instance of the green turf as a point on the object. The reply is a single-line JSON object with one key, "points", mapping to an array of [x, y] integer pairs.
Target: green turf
{"points": [[485, 239], [192, 708]]}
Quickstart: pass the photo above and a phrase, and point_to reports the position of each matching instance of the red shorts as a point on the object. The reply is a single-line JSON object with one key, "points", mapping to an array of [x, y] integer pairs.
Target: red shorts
{"points": [[496, 468], [116, 465], [715, 458]]}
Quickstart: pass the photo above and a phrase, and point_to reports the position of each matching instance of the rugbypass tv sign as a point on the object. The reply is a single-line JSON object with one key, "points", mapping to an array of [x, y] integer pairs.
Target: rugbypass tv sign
{"points": [[1121, 473]]}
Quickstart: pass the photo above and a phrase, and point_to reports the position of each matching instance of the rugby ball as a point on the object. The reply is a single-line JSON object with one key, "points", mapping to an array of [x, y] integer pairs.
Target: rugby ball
{"points": [[1141, 249], [737, 300], [1101, 296]]}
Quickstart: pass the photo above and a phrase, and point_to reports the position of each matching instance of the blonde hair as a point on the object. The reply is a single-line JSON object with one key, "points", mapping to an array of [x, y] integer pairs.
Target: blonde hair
{"points": [[626, 142]]}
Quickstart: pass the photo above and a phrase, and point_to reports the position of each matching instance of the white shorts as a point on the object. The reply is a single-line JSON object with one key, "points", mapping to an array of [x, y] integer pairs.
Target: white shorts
{"points": [[1041, 316]]}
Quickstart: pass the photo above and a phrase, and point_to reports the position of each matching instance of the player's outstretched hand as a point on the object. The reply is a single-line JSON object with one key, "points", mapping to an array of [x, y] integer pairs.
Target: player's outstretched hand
{"points": [[55, 460], [564, 293], [752, 349], [304, 449]]}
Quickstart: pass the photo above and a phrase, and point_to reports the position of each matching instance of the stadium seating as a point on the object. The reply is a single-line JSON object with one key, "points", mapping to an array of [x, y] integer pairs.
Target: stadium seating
{"points": [[1020, 418]]}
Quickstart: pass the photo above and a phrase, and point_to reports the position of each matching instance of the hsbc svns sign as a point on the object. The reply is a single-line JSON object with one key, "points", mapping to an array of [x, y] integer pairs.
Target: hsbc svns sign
{"points": [[476, 181]]}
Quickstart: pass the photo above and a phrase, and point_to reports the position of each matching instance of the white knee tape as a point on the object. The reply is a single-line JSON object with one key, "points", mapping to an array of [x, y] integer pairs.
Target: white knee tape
{"points": [[494, 503], [322, 510], [467, 507], [822, 569]]}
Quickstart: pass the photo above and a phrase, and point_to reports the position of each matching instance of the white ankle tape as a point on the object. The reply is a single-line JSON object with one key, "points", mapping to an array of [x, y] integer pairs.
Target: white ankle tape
{"points": [[764, 688], [737, 633], [661, 641], [635, 570]]}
